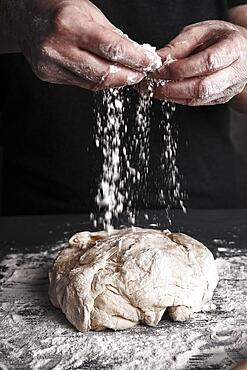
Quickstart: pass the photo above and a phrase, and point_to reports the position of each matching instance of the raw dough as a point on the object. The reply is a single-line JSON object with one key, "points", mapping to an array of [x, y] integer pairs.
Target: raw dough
{"points": [[131, 276]]}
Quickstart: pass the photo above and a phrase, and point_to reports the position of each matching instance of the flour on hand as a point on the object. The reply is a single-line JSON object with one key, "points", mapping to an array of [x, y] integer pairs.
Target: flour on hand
{"points": [[131, 276], [155, 59]]}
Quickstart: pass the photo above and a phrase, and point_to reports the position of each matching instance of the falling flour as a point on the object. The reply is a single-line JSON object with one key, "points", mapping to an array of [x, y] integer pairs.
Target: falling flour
{"points": [[125, 168], [122, 178], [170, 192], [109, 125]]}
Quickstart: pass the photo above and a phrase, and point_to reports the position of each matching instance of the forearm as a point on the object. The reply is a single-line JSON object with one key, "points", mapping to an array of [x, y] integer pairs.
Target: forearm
{"points": [[10, 12]]}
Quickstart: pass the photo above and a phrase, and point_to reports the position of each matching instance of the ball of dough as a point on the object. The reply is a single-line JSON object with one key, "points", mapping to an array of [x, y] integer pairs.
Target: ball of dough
{"points": [[131, 276]]}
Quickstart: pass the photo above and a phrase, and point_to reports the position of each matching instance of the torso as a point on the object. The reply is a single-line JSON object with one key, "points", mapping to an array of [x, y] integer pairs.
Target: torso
{"points": [[51, 163]]}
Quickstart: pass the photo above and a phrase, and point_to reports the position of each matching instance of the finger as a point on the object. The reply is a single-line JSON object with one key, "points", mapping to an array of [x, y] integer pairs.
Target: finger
{"points": [[196, 37], [219, 101], [102, 73], [63, 76], [221, 98], [97, 34], [183, 45], [58, 75], [98, 73], [115, 47], [199, 102], [175, 90], [198, 87], [213, 59]]}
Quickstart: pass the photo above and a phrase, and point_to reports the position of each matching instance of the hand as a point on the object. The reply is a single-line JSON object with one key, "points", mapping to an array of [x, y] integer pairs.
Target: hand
{"points": [[71, 42], [210, 65]]}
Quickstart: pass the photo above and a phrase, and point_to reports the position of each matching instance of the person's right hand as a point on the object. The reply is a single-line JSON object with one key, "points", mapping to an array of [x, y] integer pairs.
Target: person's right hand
{"points": [[71, 42]]}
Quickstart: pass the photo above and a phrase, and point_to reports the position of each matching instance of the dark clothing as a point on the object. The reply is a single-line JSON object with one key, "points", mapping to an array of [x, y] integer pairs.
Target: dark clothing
{"points": [[51, 164], [232, 3]]}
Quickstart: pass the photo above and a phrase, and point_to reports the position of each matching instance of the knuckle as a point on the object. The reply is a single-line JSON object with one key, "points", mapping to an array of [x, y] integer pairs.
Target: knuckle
{"points": [[211, 62], [45, 50], [201, 89], [115, 50], [99, 78], [230, 91], [187, 28], [58, 20], [193, 27], [99, 81], [40, 69], [45, 55], [194, 102], [63, 18], [171, 46], [234, 90], [166, 91]]}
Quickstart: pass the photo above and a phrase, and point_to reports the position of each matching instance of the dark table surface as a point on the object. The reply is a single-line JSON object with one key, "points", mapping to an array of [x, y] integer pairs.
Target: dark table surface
{"points": [[27, 240]]}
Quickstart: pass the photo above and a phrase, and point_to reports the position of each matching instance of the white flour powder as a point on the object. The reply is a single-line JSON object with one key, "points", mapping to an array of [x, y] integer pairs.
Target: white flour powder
{"points": [[109, 124], [170, 192], [121, 183], [35, 336]]}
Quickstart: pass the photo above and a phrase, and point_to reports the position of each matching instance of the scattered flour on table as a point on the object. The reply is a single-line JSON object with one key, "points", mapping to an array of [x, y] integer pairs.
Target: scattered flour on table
{"points": [[34, 335]]}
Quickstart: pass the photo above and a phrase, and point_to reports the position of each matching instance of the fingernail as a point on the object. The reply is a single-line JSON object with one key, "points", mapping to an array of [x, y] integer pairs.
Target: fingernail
{"points": [[134, 78]]}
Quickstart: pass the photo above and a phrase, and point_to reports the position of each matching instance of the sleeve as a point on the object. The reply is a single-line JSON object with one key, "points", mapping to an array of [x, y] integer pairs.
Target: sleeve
{"points": [[232, 3]]}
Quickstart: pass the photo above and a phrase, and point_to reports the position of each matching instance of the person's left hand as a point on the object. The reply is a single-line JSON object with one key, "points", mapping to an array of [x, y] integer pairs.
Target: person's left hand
{"points": [[210, 65]]}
